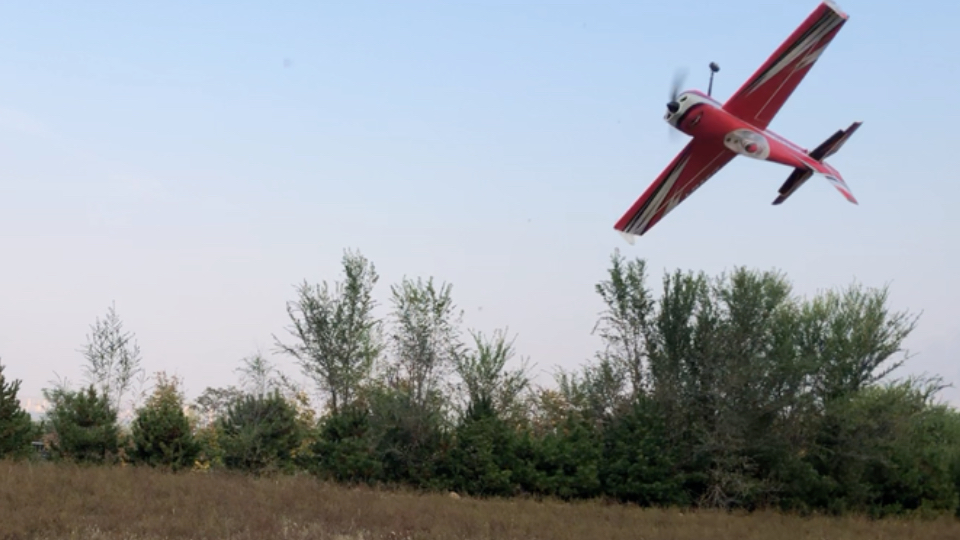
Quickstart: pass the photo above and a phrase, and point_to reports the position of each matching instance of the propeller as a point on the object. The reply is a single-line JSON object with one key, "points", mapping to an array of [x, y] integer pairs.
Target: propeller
{"points": [[673, 105], [678, 78]]}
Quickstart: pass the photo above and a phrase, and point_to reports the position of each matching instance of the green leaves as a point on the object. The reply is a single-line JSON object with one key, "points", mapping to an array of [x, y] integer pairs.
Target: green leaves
{"points": [[739, 367], [425, 337], [260, 433], [16, 428], [486, 379], [624, 324], [84, 425], [336, 332], [162, 434], [719, 391]]}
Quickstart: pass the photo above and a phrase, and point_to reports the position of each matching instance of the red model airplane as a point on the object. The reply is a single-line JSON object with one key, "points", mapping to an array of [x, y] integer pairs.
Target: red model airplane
{"points": [[739, 126]]}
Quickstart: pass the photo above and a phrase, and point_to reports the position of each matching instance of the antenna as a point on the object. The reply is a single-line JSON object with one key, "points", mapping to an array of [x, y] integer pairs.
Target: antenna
{"points": [[713, 69]]}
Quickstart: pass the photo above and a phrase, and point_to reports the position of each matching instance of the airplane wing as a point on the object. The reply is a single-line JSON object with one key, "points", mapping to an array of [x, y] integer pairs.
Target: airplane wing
{"points": [[693, 166], [761, 97]]}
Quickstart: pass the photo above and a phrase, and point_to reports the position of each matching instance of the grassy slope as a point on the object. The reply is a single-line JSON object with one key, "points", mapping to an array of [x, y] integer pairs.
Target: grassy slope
{"points": [[48, 501]]}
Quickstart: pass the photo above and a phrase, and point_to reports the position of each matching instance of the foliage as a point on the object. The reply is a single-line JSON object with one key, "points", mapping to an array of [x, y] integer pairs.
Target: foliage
{"points": [[213, 404], [726, 391], [16, 428], [484, 460], [84, 425], [336, 332], [624, 323], [637, 464], [425, 339], [259, 434], [161, 432], [113, 357], [486, 379], [346, 448]]}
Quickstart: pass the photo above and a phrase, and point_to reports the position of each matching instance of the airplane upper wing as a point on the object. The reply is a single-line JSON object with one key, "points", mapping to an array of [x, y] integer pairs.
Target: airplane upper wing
{"points": [[693, 166], [762, 96]]}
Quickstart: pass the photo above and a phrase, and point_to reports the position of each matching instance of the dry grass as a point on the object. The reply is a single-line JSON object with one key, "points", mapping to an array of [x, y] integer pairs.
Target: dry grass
{"points": [[53, 502]]}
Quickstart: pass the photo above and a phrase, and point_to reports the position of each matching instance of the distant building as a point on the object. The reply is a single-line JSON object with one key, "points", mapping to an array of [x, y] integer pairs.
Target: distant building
{"points": [[35, 406]]}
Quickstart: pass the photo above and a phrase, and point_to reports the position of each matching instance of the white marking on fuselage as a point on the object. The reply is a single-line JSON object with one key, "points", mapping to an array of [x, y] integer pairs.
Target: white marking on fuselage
{"points": [[784, 140], [739, 141]]}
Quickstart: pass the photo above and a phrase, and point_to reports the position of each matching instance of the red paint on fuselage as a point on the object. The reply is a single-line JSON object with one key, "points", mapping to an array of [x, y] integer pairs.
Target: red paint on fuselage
{"points": [[704, 120]]}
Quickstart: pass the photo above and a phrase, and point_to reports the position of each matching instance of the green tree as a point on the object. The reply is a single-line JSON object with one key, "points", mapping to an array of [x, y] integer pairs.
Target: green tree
{"points": [[425, 338], [487, 457], [16, 428], [597, 392], [336, 333], [161, 431], [260, 434], [638, 464], [346, 448], [486, 379], [410, 437], [84, 425], [569, 458], [625, 322], [885, 449], [408, 408], [213, 403], [854, 339], [739, 368]]}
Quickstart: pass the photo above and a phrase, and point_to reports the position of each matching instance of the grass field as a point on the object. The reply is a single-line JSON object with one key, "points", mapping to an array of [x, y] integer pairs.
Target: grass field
{"points": [[52, 502]]}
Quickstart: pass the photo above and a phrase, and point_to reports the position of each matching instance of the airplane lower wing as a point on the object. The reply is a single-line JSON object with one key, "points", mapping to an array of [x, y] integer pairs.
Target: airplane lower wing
{"points": [[762, 96], [693, 166]]}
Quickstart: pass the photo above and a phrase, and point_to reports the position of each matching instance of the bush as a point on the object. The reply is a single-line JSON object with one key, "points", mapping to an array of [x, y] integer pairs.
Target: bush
{"points": [[161, 431], [16, 428], [260, 433], [84, 426]]}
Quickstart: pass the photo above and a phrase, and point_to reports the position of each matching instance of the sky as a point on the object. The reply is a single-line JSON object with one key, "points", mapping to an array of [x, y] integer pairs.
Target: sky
{"points": [[193, 162]]}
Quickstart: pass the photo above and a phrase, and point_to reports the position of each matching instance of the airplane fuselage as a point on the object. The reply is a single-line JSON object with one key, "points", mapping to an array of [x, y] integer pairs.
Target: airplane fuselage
{"points": [[701, 116]]}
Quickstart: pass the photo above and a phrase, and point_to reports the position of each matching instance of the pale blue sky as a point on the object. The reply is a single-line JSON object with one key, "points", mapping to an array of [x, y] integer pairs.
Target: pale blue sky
{"points": [[162, 156]]}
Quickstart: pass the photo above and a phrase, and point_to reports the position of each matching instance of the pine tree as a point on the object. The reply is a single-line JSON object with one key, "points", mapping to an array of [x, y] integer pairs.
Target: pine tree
{"points": [[260, 433], [16, 428], [84, 425], [161, 431]]}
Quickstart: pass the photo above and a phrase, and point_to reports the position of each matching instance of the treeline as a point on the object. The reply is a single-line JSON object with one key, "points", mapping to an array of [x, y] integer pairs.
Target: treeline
{"points": [[726, 391]]}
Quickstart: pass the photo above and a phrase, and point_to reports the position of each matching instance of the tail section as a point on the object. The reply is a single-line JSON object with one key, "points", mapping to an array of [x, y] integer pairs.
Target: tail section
{"points": [[826, 149]]}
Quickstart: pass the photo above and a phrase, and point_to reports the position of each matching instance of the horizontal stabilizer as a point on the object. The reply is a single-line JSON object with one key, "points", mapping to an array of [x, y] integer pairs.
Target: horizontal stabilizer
{"points": [[794, 181], [830, 146], [826, 149]]}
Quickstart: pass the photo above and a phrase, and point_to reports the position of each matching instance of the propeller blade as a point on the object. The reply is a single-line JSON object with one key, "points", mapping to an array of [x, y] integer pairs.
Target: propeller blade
{"points": [[678, 77]]}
